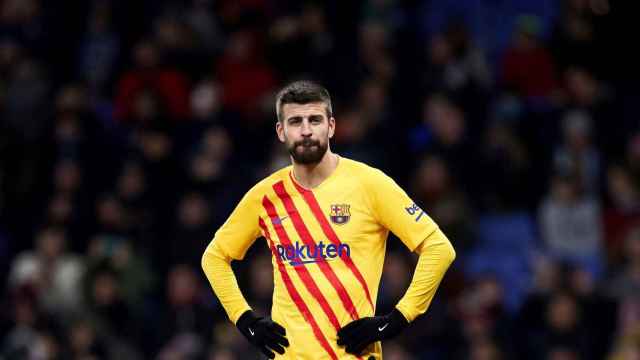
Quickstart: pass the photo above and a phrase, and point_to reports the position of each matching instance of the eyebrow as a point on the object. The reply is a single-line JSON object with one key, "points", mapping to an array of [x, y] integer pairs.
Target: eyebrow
{"points": [[294, 118], [311, 117]]}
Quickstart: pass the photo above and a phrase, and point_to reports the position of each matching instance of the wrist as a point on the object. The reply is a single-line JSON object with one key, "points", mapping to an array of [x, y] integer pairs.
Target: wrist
{"points": [[247, 318], [397, 320]]}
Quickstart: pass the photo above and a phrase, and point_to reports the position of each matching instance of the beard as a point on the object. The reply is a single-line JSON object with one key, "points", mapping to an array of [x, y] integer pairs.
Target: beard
{"points": [[308, 151]]}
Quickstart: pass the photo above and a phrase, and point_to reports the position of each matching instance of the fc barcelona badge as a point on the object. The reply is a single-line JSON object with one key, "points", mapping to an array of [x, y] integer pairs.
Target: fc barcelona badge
{"points": [[340, 214]]}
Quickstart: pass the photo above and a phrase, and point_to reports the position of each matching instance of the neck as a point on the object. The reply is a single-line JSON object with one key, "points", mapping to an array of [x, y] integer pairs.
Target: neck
{"points": [[312, 175]]}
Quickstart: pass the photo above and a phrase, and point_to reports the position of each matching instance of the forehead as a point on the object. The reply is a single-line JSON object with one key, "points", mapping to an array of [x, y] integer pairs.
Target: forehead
{"points": [[304, 110]]}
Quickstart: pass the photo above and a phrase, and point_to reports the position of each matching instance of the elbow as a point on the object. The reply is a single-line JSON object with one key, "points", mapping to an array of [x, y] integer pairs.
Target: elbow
{"points": [[207, 264], [209, 257], [213, 257], [451, 253], [204, 261]]}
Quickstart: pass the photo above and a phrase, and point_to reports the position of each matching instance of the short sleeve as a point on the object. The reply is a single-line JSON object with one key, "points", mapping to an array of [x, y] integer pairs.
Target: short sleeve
{"points": [[396, 211], [241, 229]]}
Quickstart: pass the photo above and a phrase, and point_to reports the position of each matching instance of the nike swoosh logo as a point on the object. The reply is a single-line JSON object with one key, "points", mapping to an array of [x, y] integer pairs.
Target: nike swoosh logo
{"points": [[279, 220], [383, 327], [251, 332]]}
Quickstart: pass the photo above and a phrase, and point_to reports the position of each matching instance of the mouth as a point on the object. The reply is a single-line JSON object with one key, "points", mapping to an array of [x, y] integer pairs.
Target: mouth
{"points": [[308, 144]]}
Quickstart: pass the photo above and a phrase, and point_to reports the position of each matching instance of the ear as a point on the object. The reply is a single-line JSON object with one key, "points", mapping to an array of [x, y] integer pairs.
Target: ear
{"points": [[280, 131], [332, 126]]}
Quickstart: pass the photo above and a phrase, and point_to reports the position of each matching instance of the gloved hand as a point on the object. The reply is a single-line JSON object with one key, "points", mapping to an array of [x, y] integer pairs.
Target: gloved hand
{"points": [[358, 334], [263, 333]]}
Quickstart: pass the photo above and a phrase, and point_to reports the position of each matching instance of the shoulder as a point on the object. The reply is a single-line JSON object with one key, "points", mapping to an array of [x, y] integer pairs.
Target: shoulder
{"points": [[366, 174], [358, 168], [265, 185]]}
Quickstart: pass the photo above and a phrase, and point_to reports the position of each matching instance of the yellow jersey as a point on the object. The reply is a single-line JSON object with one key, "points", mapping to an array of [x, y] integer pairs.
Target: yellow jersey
{"points": [[328, 248]]}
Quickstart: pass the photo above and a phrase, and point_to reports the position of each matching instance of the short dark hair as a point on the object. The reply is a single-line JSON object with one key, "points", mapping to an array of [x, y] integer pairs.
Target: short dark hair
{"points": [[302, 92]]}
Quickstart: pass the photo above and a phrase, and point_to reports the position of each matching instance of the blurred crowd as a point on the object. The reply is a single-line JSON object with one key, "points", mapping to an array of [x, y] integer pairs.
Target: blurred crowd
{"points": [[130, 129]]}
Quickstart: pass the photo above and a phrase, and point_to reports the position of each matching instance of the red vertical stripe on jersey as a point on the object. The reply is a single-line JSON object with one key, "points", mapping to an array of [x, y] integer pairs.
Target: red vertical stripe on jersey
{"points": [[306, 237], [295, 296], [313, 204], [302, 271]]}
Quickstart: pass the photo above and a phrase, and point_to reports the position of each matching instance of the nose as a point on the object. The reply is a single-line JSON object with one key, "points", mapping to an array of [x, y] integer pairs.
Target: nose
{"points": [[306, 128]]}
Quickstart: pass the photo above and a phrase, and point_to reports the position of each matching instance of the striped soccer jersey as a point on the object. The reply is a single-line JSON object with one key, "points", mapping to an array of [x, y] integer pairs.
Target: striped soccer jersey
{"points": [[328, 247]]}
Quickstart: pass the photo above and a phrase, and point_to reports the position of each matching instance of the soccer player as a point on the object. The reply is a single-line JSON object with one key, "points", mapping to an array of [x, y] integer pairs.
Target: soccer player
{"points": [[326, 219]]}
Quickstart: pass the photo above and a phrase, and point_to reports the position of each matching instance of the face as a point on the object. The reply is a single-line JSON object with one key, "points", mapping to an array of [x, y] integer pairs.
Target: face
{"points": [[305, 130]]}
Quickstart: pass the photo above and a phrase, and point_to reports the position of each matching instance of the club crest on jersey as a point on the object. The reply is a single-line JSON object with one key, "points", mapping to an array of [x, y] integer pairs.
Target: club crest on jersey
{"points": [[340, 214]]}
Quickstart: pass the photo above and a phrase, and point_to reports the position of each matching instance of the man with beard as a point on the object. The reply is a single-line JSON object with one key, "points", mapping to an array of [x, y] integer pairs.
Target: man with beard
{"points": [[325, 219]]}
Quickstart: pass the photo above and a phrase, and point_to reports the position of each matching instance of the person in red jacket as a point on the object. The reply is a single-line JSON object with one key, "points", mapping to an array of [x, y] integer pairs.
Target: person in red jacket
{"points": [[149, 75]]}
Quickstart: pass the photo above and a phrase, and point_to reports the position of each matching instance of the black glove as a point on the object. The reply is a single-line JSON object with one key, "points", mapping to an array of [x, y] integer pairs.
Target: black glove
{"points": [[358, 334], [263, 333]]}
